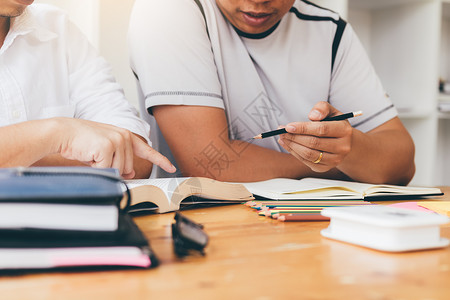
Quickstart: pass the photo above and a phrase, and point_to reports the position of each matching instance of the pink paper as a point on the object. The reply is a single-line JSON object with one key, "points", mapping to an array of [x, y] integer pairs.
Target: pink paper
{"points": [[106, 260]]}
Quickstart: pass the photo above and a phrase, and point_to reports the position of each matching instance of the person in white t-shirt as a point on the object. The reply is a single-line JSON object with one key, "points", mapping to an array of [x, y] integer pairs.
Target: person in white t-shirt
{"points": [[59, 103], [214, 73]]}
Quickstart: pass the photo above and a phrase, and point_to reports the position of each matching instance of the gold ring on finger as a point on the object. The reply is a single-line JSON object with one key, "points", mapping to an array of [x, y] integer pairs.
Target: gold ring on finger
{"points": [[319, 158]]}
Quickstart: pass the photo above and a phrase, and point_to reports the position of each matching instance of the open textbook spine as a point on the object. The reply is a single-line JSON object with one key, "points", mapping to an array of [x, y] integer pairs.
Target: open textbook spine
{"points": [[169, 194]]}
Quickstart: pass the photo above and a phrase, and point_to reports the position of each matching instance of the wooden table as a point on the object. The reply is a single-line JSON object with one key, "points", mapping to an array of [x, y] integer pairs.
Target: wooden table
{"points": [[252, 257]]}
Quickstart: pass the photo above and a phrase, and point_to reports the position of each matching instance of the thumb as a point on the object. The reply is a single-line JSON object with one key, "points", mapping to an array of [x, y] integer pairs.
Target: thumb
{"points": [[322, 110]]}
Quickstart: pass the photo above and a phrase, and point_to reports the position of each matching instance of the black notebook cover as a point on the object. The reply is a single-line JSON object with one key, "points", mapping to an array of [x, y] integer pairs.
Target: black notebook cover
{"points": [[108, 247]]}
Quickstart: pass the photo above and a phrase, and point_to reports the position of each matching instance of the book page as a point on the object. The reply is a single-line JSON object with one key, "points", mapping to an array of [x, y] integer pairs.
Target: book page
{"points": [[401, 190], [307, 188], [319, 188], [367, 189], [168, 193], [167, 185], [211, 191]]}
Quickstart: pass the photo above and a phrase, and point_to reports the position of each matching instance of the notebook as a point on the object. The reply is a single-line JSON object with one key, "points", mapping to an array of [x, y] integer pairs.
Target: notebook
{"points": [[127, 248], [60, 198], [327, 189]]}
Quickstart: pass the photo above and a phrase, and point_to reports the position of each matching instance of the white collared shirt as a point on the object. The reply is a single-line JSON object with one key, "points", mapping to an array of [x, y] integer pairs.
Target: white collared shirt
{"points": [[49, 69]]}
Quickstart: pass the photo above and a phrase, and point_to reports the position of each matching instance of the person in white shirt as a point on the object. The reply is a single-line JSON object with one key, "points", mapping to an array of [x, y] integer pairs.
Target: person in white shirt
{"points": [[59, 103], [214, 73]]}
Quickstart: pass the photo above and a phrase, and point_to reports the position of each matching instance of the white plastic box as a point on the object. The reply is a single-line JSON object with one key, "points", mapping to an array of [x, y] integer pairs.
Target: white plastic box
{"points": [[385, 228]]}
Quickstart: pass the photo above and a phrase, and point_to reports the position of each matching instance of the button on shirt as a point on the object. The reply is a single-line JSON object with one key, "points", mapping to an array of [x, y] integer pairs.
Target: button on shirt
{"points": [[49, 69]]}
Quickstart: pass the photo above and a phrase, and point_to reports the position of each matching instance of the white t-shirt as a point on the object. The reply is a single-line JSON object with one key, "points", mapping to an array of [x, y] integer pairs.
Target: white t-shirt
{"points": [[49, 69], [262, 81]]}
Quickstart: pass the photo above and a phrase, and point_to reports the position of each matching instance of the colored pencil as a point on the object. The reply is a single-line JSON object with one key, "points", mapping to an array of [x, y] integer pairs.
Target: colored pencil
{"points": [[302, 217]]}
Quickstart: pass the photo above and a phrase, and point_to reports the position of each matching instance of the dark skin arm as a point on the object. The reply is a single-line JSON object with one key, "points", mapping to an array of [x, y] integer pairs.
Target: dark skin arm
{"points": [[191, 130], [348, 153]]}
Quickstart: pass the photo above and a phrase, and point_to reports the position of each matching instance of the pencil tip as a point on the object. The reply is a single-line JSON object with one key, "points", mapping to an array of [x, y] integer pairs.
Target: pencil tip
{"points": [[357, 113], [257, 137]]}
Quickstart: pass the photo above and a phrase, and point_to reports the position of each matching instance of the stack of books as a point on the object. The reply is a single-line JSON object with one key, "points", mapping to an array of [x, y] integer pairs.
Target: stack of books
{"points": [[67, 217]]}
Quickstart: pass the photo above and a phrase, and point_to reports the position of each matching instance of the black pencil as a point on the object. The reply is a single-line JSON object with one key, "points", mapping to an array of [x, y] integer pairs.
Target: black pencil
{"points": [[283, 130], [344, 116]]}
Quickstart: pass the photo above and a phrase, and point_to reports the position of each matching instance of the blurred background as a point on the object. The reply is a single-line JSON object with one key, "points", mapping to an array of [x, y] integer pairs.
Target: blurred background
{"points": [[408, 42]]}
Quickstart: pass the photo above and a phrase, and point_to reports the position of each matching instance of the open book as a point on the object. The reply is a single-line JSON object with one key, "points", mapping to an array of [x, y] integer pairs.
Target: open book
{"points": [[170, 194], [326, 189]]}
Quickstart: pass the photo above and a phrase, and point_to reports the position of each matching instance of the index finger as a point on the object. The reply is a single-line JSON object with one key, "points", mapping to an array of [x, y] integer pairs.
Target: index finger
{"points": [[143, 150], [320, 129]]}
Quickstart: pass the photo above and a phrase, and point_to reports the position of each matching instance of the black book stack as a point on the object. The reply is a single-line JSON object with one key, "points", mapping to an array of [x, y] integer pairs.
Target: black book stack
{"points": [[67, 217]]}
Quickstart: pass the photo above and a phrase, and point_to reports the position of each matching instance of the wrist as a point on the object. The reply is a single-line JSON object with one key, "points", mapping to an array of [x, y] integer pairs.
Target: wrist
{"points": [[55, 132]]}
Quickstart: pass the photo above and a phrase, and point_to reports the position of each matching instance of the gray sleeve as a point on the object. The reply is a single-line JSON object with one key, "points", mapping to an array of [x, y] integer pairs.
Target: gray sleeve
{"points": [[173, 61], [355, 85]]}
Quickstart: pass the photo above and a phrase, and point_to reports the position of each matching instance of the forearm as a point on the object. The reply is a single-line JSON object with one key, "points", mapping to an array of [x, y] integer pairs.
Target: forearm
{"points": [[380, 157], [239, 161], [195, 137], [25, 143]]}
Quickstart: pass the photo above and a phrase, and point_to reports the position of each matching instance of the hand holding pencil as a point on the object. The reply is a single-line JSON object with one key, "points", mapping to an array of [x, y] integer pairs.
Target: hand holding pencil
{"points": [[321, 146]]}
